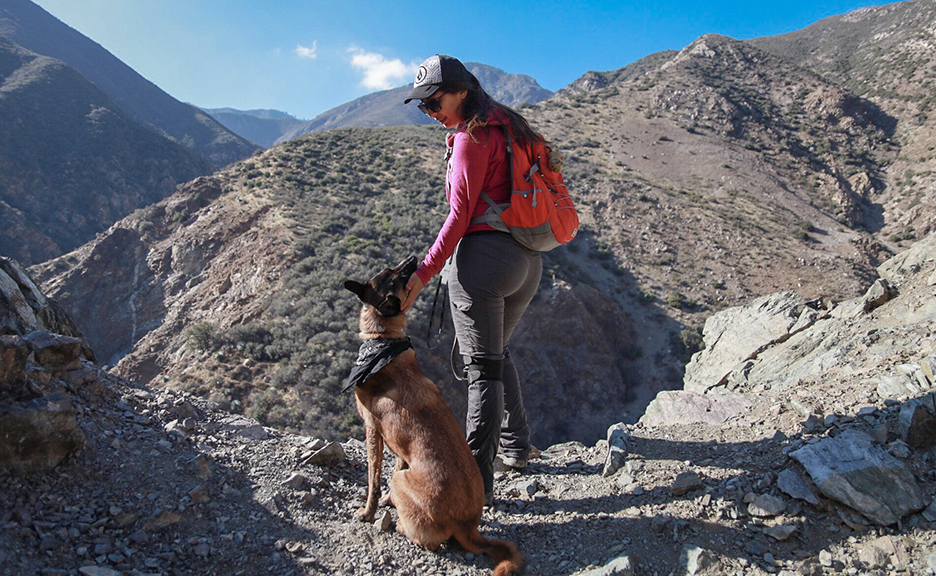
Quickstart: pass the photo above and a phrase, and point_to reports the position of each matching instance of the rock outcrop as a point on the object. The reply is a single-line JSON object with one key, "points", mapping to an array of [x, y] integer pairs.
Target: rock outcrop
{"points": [[859, 377], [42, 355]]}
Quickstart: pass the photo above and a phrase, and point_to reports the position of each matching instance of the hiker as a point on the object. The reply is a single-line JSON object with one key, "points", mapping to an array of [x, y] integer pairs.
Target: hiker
{"points": [[493, 277]]}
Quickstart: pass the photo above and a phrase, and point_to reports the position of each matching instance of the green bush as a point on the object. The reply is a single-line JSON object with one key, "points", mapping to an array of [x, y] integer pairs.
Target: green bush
{"points": [[201, 336]]}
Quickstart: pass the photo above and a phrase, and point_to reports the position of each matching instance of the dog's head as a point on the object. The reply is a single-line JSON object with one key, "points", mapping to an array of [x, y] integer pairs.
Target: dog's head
{"points": [[387, 290]]}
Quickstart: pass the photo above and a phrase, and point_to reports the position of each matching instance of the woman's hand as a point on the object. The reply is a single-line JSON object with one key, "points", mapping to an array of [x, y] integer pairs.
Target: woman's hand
{"points": [[413, 287]]}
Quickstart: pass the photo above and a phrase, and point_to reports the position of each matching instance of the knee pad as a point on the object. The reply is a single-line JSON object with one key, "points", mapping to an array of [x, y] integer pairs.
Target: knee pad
{"points": [[483, 369]]}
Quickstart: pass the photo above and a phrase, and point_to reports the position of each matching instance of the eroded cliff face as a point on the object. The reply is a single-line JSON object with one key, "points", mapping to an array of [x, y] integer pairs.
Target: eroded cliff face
{"points": [[137, 285]]}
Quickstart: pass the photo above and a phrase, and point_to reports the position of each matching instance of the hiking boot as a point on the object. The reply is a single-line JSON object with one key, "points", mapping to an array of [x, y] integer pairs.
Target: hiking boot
{"points": [[505, 463], [488, 499]]}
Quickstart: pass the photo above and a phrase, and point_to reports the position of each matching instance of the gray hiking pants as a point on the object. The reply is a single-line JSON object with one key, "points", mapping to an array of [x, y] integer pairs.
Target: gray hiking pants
{"points": [[492, 281]]}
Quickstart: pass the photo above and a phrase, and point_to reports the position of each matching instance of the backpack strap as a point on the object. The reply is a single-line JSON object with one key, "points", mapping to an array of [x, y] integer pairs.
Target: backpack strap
{"points": [[492, 217]]}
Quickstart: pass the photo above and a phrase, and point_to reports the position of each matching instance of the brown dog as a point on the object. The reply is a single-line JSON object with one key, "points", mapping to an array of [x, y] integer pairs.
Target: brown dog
{"points": [[436, 486]]}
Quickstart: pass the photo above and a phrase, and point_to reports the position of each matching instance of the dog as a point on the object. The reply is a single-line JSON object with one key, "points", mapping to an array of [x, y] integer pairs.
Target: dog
{"points": [[436, 486]]}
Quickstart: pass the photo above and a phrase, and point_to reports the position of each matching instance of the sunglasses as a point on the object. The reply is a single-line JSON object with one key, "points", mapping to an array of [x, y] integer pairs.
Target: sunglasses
{"points": [[431, 106]]}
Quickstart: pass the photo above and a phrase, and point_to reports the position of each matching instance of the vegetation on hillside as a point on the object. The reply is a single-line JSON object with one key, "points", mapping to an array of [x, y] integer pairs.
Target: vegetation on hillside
{"points": [[70, 167]]}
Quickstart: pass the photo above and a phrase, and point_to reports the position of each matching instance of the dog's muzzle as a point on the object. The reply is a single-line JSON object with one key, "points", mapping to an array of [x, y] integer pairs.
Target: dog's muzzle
{"points": [[406, 268]]}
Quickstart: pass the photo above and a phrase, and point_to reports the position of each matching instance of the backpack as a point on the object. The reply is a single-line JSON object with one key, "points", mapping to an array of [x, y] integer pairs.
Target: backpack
{"points": [[540, 215]]}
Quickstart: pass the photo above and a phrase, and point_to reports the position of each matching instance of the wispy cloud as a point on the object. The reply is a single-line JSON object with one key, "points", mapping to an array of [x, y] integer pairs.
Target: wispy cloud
{"points": [[306, 52], [379, 72]]}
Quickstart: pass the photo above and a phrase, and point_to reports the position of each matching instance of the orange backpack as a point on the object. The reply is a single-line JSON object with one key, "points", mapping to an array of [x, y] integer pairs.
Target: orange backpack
{"points": [[540, 214]]}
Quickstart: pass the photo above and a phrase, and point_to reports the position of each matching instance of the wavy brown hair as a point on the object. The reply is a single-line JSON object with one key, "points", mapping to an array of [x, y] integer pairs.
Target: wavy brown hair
{"points": [[478, 106]]}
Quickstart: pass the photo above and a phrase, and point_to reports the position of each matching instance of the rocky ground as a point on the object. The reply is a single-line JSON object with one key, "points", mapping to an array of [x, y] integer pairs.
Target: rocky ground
{"points": [[715, 479], [167, 485]]}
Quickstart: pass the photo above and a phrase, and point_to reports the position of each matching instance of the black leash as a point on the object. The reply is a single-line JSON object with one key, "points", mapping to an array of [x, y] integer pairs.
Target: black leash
{"points": [[435, 300], [429, 345]]}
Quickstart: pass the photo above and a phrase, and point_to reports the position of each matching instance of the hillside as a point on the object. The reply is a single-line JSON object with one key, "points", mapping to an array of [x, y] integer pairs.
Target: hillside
{"points": [[70, 167], [886, 55], [28, 25], [705, 178], [263, 127], [828, 475], [236, 291], [385, 108]]}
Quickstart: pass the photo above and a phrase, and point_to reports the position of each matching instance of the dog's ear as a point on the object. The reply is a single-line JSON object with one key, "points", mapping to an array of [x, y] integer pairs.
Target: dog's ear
{"points": [[356, 287]]}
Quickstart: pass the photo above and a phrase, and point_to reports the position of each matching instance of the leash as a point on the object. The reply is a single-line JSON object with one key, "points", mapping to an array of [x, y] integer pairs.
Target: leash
{"points": [[443, 279], [435, 300]]}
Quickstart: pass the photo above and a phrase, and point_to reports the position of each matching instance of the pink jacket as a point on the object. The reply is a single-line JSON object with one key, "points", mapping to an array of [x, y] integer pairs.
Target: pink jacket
{"points": [[474, 167]]}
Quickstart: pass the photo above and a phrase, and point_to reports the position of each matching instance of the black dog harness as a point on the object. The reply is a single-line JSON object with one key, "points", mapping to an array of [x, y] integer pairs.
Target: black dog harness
{"points": [[373, 356]]}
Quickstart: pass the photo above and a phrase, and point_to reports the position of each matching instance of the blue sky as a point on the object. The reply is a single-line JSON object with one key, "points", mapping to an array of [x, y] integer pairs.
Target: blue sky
{"points": [[307, 56]]}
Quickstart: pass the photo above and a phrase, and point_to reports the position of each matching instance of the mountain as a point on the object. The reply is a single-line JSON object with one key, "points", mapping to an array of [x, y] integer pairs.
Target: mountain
{"points": [[70, 167], [883, 54], [386, 108], [28, 25], [263, 127], [704, 178]]}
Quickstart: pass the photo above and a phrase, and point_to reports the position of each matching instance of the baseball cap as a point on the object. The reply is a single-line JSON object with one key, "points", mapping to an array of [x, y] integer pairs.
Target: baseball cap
{"points": [[434, 71]]}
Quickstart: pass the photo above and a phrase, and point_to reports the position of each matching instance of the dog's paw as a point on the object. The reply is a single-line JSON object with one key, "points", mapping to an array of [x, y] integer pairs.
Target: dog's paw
{"points": [[364, 515], [386, 501]]}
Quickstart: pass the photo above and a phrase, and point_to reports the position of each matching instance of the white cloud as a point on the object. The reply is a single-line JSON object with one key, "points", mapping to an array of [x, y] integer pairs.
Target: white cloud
{"points": [[380, 73], [305, 52]]}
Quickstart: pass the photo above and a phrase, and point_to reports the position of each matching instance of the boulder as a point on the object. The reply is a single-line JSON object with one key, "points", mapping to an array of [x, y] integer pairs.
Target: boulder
{"points": [[878, 294], [620, 566], [673, 407], [24, 308], [243, 427], [54, 352], [617, 449], [909, 262], [766, 506], [332, 452], [37, 435], [917, 425], [851, 469], [16, 315], [738, 334], [792, 484], [686, 482]]}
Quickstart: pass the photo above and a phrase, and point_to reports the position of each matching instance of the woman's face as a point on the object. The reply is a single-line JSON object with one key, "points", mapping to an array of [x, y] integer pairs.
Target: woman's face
{"points": [[451, 105]]}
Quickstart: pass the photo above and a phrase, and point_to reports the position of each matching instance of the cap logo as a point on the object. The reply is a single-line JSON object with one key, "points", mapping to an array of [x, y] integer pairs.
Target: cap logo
{"points": [[421, 75]]}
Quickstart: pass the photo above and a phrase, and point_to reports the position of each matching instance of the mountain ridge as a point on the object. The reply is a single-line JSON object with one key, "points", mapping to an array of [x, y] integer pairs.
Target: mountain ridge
{"points": [[28, 25], [55, 196], [386, 108]]}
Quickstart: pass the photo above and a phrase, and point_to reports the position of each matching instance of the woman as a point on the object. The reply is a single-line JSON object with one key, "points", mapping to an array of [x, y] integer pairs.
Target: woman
{"points": [[493, 277]]}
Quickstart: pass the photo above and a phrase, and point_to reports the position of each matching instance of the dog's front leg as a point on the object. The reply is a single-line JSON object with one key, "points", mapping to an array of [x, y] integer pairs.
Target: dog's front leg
{"points": [[374, 460]]}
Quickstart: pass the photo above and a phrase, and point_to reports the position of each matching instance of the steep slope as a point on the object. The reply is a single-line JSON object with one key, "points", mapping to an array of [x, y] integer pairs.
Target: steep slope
{"points": [[386, 108], [28, 25], [725, 172], [263, 127], [70, 167], [884, 54]]}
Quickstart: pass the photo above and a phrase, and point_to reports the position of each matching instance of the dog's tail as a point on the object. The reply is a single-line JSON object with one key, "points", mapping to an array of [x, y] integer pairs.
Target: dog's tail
{"points": [[504, 552]]}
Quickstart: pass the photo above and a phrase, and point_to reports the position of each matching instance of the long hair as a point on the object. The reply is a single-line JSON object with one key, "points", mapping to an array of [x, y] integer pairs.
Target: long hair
{"points": [[478, 106]]}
